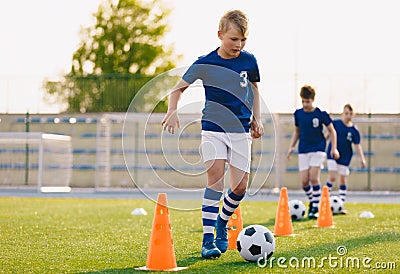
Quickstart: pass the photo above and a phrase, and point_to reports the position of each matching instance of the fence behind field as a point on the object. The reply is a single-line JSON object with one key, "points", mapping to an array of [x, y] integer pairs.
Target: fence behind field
{"points": [[107, 154]]}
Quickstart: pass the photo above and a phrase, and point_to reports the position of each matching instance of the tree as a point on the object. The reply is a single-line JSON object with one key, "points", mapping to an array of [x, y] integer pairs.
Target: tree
{"points": [[116, 56]]}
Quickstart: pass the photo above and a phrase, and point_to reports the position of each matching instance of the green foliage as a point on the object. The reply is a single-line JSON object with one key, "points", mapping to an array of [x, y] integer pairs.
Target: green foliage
{"points": [[126, 38], [116, 56], [99, 93]]}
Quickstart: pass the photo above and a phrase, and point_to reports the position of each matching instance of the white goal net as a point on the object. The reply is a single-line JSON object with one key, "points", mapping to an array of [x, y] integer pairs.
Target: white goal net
{"points": [[36, 159]]}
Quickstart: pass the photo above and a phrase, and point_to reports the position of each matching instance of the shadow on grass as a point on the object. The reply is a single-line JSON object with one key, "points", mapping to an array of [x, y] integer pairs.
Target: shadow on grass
{"points": [[116, 270], [271, 222], [190, 260], [187, 262], [317, 251]]}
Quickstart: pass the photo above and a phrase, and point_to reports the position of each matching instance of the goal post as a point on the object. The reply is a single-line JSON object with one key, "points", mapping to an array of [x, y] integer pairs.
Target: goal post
{"points": [[36, 159]]}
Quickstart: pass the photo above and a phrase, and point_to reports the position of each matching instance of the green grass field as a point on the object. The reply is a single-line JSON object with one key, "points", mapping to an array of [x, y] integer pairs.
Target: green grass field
{"points": [[56, 235]]}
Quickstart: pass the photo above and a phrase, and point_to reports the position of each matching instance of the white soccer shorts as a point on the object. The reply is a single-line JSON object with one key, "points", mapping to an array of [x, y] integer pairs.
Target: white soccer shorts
{"points": [[311, 159], [235, 148], [341, 169]]}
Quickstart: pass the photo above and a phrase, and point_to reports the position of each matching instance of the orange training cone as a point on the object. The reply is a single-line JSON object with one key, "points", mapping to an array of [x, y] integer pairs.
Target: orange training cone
{"points": [[235, 225], [283, 220], [161, 255], [325, 216]]}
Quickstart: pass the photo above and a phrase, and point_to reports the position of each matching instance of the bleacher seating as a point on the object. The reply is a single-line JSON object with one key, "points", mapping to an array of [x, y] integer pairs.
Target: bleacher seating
{"points": [[83, 130]]}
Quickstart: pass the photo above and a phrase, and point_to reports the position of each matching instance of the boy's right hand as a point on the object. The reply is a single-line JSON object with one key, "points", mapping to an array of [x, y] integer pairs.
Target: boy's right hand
{"points": [[170, 121], [289, 153], [335, 154]]}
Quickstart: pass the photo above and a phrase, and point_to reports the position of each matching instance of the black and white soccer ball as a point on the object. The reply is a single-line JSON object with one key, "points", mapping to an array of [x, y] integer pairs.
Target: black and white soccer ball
{"points": [[297, 209], [336, 204], [255, 243]]}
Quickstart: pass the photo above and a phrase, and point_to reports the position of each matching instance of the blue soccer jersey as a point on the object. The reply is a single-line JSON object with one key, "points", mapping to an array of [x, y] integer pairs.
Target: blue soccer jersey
{"points": [[310, 124], [228, 91], [346, 136]]}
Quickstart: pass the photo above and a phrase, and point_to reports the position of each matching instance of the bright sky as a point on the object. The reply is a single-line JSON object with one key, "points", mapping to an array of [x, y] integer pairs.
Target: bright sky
{"points": [[348, 50]]}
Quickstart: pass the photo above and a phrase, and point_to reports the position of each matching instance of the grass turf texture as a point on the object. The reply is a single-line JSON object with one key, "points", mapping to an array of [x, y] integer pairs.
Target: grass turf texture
{"points": [[50, 235]]}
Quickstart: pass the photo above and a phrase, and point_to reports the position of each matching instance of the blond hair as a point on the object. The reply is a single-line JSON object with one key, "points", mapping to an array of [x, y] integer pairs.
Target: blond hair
{"points": [[236, 17]]}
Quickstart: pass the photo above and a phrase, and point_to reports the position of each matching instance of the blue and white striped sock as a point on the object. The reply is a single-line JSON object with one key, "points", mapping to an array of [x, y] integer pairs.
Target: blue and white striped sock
{"points": [[209, 212], [231, 202], [316, 190], [308, 191], [343, 192]]}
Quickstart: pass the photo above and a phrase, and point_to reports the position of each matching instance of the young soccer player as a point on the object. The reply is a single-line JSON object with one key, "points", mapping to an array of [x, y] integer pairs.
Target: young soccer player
{"points": [[231, 117], [309, 122], [347, 135]]}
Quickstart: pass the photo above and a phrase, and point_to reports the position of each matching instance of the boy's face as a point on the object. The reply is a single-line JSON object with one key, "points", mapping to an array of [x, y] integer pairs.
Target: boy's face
{"points": [[307, 104], [347, 115], [232, 42]]}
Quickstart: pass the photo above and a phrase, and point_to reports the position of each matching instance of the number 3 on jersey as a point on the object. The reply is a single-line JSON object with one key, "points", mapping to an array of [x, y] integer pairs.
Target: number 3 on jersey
{"points": [[243, 74]]}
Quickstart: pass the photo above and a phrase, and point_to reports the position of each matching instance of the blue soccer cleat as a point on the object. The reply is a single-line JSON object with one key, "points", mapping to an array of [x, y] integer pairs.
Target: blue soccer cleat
{"points": [[209, 250], [221, 239], [313, 213]]}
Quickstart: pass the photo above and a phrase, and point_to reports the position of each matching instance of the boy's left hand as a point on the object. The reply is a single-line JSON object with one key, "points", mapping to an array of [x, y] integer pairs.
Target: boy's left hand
{"points": [[256, 129]]}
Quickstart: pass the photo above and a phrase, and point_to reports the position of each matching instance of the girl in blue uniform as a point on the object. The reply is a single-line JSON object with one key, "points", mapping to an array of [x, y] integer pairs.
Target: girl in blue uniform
{"points": [[231, 118], [309, 122], [347, 136]]}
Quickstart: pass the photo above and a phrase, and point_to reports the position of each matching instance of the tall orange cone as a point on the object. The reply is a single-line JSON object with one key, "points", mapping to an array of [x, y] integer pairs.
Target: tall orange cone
{"points": [[161, 254], [283, 220], [235, 225], [325, 216]]}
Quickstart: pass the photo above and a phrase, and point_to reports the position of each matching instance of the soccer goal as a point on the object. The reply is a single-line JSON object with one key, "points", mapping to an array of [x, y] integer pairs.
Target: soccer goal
{"points": [[36, 159]]}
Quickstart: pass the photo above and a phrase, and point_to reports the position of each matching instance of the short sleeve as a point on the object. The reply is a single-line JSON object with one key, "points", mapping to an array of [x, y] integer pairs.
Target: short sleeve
{"points": [[254, 74], [193, 73], [296, 122], [356, 137], [326, 118]]}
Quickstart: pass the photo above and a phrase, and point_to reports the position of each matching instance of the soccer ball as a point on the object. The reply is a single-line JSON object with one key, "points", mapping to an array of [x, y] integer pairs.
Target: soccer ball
{"points": [[336, 204], [297, 209], [255, 242]]}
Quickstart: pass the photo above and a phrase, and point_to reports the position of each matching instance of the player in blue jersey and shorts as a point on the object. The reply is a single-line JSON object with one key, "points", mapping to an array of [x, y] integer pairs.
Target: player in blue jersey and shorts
{"points": [[230, 119], [347, 136], [309, 122]]}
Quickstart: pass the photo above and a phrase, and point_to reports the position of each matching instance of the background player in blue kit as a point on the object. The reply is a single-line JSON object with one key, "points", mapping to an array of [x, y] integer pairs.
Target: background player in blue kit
{"points": [[232, 110], [347, 135], [309, 122]]}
